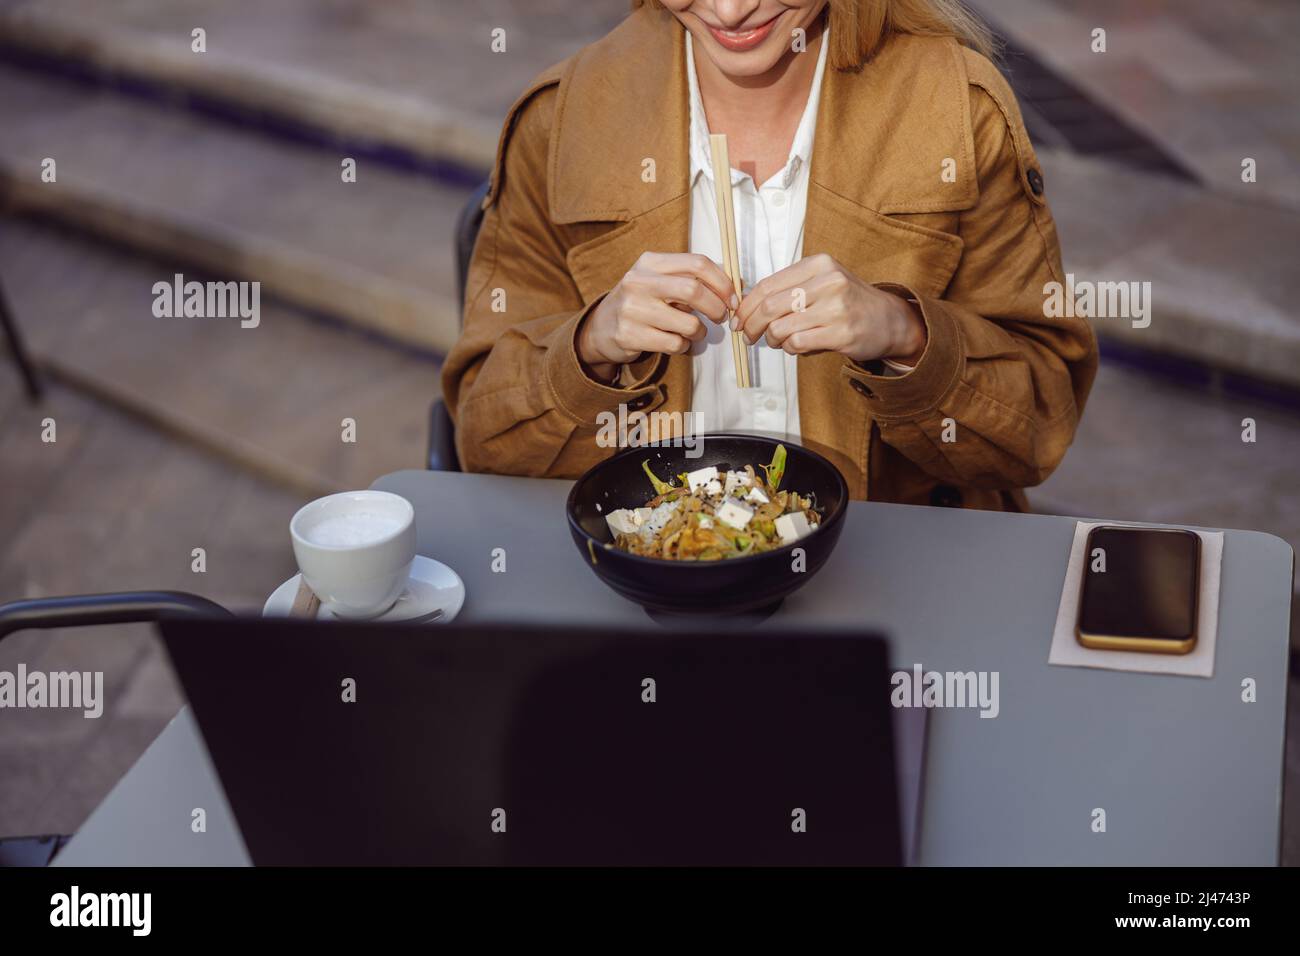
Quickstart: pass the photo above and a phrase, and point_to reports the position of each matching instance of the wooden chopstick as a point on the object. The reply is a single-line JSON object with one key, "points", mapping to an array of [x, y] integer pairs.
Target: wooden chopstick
{"points": [[305, 602], [730, 251], [722, 195]]}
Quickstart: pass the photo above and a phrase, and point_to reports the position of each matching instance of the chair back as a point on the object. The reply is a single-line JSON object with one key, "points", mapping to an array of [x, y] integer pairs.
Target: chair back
{"points": [[468, 224]]}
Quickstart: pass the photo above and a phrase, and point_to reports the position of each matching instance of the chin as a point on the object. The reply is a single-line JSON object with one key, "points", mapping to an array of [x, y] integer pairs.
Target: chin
{"points": [[753, 62]]}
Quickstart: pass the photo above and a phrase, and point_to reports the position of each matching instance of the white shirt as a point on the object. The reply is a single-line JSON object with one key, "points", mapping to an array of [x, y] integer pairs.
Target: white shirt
{"points": [[769, 234]]}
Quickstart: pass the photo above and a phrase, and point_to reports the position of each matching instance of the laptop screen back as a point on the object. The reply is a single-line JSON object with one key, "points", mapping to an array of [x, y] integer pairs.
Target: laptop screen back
{"points": [[364, 744]]}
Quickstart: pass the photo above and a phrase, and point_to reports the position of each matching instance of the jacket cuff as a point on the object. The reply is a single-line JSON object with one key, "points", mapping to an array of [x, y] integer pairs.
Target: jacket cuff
{"points": [[636, 374], [930, 380], [581, 397]]}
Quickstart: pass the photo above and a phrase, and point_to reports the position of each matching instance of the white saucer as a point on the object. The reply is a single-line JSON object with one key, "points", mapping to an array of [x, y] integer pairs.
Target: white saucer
{"points": [[431, 586]]}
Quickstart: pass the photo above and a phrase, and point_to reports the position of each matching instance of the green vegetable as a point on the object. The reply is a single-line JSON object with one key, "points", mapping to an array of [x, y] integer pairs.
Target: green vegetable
{"points": [[661, 487], [776, 470]]}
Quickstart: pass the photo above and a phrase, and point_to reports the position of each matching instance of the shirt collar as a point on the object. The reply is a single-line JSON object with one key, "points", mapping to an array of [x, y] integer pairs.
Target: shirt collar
{"points": [[800, 148]]}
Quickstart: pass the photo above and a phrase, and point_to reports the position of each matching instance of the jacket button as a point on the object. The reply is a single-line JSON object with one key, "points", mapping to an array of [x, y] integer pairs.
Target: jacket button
{"points": [[639, 402], [945, 496], [862, 387], [1035, 181]]}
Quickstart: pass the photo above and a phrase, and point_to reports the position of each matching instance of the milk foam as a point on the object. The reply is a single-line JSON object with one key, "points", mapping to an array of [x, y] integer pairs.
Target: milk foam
{"points": [[353, 529]]}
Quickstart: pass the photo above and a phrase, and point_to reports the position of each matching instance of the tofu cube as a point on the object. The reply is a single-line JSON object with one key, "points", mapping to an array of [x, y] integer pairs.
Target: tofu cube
{"points": [[792, 527], [736, 480], [756, 495], [735, 514], [701, 477], [713, 489], [622, 521], [706, 522], [658, 517]]}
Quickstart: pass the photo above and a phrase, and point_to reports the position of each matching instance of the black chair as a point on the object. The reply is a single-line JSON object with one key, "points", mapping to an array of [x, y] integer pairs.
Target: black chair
{"points": [[118, 607], [442, 432]]}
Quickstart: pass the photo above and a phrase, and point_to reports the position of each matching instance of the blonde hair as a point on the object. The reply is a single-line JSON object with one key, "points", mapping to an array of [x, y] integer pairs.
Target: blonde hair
{"points": [[858, 28]]}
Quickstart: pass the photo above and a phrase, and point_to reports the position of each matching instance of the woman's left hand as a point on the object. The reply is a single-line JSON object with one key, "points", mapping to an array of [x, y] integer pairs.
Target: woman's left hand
{"points": [[817, 305]]}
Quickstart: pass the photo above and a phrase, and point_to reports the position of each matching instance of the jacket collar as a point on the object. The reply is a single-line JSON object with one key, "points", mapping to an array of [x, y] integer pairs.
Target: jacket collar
{"points": [[883, 134], [622, 102]]}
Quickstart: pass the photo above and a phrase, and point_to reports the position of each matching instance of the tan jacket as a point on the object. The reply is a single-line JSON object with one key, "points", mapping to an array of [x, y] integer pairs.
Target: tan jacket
{"points": [[569, 211]]}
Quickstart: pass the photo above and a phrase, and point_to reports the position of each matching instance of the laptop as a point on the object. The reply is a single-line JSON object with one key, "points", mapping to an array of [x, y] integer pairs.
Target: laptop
{"points": [[366, 744]]}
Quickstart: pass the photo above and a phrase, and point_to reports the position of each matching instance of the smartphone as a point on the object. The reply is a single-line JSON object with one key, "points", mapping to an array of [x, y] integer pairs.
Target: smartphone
{"points": [[1140, 590]]}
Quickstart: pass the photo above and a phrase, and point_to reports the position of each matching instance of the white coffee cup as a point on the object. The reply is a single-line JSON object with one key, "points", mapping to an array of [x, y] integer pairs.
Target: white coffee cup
{"points": [[355, 550]]}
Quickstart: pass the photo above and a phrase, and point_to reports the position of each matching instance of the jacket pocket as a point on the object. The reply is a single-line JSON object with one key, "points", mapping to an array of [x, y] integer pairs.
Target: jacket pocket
{"points": [[904, 249]]}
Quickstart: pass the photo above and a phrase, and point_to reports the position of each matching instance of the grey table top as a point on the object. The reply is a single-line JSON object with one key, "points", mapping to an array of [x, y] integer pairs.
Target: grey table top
{"points": [[1187, 773]]}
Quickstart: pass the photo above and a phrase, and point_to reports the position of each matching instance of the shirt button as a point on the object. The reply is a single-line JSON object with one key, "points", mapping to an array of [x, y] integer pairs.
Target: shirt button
{"points": [[778, 199], [770, 404]]}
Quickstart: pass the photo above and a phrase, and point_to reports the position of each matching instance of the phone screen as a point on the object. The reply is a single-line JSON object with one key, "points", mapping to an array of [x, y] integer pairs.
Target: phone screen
{"points": [[1147, 588]]}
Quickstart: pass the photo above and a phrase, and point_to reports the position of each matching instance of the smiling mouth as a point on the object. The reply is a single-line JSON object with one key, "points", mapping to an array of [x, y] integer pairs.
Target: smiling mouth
{"points": [[740, 41]]}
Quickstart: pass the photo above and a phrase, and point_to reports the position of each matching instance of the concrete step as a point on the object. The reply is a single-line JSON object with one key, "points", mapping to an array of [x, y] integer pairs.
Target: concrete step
{"points": [[377, 252], [1223, 286], [389, 72], [270, 399], [1209, 90]]}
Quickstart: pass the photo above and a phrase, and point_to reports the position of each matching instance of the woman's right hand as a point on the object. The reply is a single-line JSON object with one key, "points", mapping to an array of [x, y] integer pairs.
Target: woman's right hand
{"points": [[651, 310]]}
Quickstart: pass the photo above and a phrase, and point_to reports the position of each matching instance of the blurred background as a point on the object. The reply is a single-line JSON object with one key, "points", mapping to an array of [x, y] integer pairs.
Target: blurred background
{"points": [[176, 435]]}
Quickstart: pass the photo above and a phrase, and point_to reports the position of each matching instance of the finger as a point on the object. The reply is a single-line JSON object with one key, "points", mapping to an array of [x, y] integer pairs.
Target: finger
{"points": [[781, 328], [692, 264], [823, 315], [649, 339], [656, 314], [772, 308], [791, 277], [821, 338], [691, 292], [794, 332], [797, 299]]}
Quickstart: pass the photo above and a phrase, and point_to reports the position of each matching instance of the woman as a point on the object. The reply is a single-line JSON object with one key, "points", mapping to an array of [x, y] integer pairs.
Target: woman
{"points": [[894, 241]]}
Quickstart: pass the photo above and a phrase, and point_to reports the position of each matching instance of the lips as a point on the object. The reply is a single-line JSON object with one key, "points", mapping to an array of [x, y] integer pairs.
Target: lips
{"points": [[740, 41]]}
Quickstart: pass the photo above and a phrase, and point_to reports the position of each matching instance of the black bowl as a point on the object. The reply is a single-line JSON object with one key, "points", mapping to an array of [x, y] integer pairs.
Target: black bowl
{"points": [[731, 586]]}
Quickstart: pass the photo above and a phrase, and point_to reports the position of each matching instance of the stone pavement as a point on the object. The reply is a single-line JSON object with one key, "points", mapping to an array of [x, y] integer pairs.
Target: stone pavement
{"points": [[1212, 82], [270, 399], [1149, 450], [1223, 290]]}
